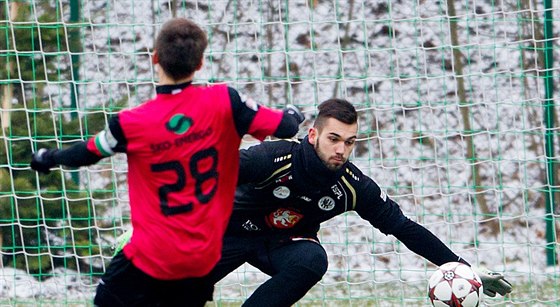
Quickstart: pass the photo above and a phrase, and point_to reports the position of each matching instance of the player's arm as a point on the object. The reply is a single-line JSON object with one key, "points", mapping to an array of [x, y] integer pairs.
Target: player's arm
{"points": [[386, 215], [424, 243], [260, 121], [254, 158], [82, 153]]}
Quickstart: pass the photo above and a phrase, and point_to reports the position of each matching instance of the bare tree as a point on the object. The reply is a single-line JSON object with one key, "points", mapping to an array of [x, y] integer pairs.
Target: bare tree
{"points": [[7, 89], [465, 111]]}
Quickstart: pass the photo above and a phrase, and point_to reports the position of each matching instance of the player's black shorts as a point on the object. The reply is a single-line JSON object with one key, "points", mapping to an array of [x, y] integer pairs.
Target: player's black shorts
{"points": [[125, 285]]}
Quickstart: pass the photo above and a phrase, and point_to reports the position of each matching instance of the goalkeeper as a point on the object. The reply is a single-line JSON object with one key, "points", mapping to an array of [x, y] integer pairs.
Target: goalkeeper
{"points": [[286, 189], [279, 208], [182, 151]]}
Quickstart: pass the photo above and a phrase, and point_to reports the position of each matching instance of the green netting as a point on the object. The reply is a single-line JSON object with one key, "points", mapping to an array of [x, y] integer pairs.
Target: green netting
{"points": [[457, 122]]}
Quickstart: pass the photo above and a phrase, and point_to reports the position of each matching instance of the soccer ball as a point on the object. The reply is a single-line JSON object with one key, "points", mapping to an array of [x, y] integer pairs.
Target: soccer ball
{"points": [[455, 284]]}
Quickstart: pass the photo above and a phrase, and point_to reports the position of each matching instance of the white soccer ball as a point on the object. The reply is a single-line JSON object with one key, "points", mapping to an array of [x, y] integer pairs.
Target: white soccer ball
{"points": [[455, 284]]}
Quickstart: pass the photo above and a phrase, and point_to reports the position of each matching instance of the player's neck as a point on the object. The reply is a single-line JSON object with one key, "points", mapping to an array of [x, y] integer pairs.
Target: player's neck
{"points": [[164, 79]]}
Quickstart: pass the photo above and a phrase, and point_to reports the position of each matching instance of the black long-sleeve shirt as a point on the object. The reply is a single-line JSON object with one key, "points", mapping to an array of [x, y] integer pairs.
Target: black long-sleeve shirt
{"points": [[285, 189]]}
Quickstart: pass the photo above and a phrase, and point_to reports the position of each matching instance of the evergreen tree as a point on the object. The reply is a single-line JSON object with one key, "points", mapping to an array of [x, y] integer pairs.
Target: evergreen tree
{"points": [[46, 221]]}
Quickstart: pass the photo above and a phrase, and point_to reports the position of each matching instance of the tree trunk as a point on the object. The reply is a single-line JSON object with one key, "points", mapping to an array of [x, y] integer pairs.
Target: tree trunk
{"points": [[7, 96], [7, 89], [343, 43], [465, 114]]}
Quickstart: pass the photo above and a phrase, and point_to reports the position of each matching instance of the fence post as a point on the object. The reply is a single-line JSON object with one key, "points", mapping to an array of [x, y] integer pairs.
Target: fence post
{"points": [[549, 121]]}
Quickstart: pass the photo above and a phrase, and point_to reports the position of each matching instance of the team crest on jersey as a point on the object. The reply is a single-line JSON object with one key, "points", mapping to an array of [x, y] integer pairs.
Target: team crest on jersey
{"points": [[326, 203], [179, 123], [281, 192], [284, 218]]}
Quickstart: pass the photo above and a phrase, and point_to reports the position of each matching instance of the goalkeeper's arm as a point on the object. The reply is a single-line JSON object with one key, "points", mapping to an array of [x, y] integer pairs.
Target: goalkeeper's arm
{"points": [[421, 241]]}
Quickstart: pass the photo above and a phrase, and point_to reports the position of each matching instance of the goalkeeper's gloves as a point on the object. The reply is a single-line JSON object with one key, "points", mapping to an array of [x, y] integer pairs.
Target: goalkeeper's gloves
{"points": [[122, 240], [43, 160], [295, 112], [493, 282]]}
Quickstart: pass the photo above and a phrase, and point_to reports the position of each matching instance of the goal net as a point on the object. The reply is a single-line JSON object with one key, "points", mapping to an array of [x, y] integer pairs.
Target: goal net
{"points": [[458, 123]]}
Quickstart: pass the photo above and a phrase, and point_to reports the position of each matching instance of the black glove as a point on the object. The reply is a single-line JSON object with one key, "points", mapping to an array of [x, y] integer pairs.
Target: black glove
{"points": [[295, 112], [493, 282], [43, 160]]}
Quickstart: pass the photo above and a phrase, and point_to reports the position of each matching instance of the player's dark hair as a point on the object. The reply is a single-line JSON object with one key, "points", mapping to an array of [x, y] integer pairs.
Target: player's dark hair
{"points": [[338, 109], [180, 47]]}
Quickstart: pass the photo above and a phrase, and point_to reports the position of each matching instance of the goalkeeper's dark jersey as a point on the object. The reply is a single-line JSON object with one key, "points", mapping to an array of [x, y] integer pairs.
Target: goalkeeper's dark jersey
{"points": [[183, 156], [285, 190]]}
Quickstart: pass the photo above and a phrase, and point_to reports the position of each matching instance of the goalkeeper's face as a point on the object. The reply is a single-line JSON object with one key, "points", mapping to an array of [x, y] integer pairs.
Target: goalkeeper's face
{"points": [[333, 142]]}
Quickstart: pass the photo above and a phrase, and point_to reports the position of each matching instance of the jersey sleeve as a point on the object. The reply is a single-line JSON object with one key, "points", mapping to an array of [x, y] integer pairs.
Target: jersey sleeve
{"points": [[75, 156], [251, 159], [103, 144], [386, 215], [260, 121], [377, 208], [424, 243], [109, 141]]}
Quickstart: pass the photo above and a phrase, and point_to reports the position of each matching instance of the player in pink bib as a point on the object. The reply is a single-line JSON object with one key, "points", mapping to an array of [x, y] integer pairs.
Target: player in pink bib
{"points": [[183, 159]]}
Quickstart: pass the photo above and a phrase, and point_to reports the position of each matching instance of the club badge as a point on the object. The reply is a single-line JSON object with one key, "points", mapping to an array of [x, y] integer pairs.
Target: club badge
{"points": [[281, 192], [326, 203], [284, 218]]}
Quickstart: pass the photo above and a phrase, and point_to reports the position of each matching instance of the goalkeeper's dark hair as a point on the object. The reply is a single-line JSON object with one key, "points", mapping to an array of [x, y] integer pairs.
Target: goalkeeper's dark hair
{"points": [[338, 109], [180, 47]]}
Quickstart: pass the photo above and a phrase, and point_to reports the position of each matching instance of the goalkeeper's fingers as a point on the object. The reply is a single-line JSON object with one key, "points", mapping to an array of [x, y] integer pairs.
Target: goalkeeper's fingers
{"points": [[489, 292], [493, 282], [501, 287]]}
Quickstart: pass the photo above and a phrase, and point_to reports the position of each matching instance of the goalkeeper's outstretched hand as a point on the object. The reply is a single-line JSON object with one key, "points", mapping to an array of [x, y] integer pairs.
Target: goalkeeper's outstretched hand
{"points": [[42, 160], [493, 282]]}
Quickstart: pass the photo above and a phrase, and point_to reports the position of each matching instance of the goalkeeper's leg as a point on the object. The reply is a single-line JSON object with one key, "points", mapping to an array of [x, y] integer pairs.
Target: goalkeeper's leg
{"points": [[235, 252], [294, 268]]}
